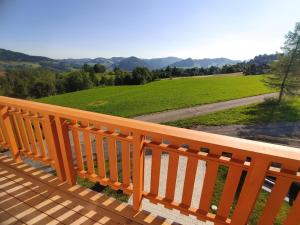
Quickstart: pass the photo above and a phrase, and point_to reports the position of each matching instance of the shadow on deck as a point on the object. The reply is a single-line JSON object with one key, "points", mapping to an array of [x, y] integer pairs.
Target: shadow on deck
{"points": [[32, 196]]}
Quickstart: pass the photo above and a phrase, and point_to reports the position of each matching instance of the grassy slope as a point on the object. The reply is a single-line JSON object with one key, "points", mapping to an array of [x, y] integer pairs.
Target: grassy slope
{"points": [[160, 95], [247, 115]]}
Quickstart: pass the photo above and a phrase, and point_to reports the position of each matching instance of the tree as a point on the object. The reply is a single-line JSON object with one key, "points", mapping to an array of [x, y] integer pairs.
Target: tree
{"points": [[98, 68], [41, 89], [77, 80], [141, 75], [286, 70]]}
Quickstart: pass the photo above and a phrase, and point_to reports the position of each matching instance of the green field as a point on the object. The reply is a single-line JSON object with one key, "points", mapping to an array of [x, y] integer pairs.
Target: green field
{"points": [[160, 95], [288, 111]]}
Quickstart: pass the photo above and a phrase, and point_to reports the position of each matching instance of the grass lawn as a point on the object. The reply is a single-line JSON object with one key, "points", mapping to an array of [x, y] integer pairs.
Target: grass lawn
{"points": [[288, 111], [161, 95]]}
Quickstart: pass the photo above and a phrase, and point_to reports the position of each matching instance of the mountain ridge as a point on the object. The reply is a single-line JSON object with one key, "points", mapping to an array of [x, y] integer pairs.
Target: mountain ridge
{"points": [[125, 63]]}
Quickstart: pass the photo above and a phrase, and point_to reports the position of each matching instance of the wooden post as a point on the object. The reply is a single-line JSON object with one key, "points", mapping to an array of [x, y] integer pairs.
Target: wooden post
{"points": [[138, 171], [8, 132], [65, 148], [52, 141], [250, 191]]}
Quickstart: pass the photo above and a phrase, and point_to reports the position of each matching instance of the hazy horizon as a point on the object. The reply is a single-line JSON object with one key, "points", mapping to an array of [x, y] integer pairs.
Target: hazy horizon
{"points": [[146, 29]]}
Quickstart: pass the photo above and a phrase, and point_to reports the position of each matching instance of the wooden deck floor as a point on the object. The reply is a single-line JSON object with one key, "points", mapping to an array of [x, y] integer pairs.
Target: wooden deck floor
{"points": [[30, 196]]}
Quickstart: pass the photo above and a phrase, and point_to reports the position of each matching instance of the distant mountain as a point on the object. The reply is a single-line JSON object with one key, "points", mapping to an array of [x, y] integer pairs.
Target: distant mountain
{"points": [[7, 55], [158, 63], [206, 62], [11, 59], [130, 63]]}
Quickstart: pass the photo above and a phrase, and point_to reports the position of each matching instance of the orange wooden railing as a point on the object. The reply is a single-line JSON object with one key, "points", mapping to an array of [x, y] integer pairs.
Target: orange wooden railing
{"points": [[53, 135]]}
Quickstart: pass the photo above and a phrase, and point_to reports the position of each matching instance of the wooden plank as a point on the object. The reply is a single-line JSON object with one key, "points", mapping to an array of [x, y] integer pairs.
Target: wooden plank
{"points": [[172, 176], [208, 186], [77, 146], [16, 129], [23, 132], [138, 170], [39, 136], [293, 217], [155, 171], [31, 136], [126, 163], [112, 156], [65, 148], [189, 180], [88, 152], [276, 198], [9, 133], [252, 186], [52, 141], [100, 157], [230, 188]]}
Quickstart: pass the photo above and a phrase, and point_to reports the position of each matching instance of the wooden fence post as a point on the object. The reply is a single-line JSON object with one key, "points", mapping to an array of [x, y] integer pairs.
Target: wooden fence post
{"points": [[8, 133], [65, 148], [138, 171], [53, 145]]}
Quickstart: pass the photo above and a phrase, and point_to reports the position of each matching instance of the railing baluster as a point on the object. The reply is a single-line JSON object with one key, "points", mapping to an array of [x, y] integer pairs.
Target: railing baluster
{"points": [[31, 136], [16, 129], [65, 149], [138, 170], [172, 176], [155, 172], [249, 193], [126, 164], [39, 136], [9, 133], [275, 200], [77, 146], [189, 180], [100, 157], [112, 155], [230, 188], [52, 141], [23, 133], [88, 151], [293, 217], [208, 186]]}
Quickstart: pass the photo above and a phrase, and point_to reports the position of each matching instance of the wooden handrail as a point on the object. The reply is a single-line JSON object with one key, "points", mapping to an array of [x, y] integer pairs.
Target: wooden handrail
{"points": [[80, 143]]}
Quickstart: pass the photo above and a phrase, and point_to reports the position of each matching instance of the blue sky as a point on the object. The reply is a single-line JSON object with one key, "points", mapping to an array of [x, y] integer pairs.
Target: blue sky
{"points": [[235, 29]]}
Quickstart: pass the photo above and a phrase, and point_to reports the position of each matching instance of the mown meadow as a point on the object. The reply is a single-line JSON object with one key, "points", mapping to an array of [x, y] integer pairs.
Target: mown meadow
{"points": [[132, 100]]}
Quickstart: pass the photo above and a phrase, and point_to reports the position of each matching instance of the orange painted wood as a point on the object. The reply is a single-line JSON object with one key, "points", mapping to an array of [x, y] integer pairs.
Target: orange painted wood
{"points": [[138, 170], [9, 133], [249, 193], [31, 136], [126, 163], [78, 151], [16, 130], [293, 217], [39, 137], [189, 180], [155, 171], [251, 148], [172, 176], [100, 157], [23, 132], [112, 156], [276, 198], [89, 154], [229, 191], [65, 148], [52, 142], [208, 186]]}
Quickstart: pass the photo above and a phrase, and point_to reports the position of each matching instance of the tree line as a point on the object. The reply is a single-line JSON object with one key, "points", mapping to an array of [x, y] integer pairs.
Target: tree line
{"points": [[40, 82]]}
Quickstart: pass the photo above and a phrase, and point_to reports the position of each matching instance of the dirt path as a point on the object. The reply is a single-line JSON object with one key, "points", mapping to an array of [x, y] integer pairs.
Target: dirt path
{"points": [[284, 133], [177, 114]]}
